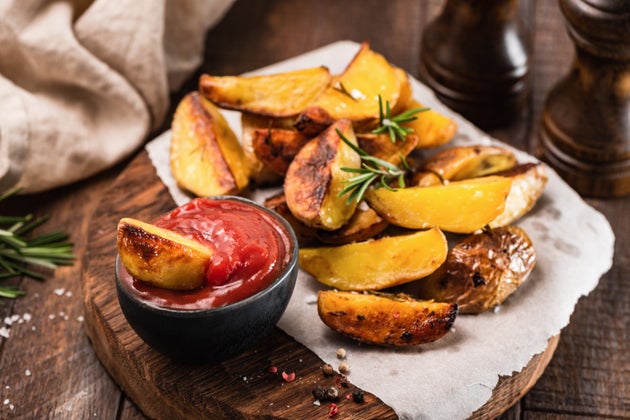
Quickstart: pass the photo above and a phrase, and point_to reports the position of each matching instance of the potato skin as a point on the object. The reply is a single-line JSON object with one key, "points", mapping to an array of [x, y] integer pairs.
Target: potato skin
{"points": [[481, 271], [277, 147], [314, 178], [161, 257], [206, 158], [387, 320], [528, 184], [364, 224], [306, 235], [464, 162], [382, 147]]}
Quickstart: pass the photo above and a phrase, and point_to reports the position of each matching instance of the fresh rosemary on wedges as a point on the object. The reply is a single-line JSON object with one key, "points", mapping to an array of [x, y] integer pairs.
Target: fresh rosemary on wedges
{"points": [[18, 251], [372, 171], [391, 124]]}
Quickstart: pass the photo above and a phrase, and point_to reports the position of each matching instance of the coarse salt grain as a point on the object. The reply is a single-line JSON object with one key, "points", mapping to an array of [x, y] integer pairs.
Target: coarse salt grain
{"points": [[4, 332], [60, 291], [80, 318], [27, 372], [27, 317], [6, 402]]}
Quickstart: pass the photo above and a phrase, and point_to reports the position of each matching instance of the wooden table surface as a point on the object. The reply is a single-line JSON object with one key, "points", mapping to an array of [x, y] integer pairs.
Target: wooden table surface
{"points": [[47, 365]]}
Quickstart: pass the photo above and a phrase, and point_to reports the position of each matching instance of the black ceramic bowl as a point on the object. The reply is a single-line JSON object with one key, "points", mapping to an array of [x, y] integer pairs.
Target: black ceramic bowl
{"points": [[211, 334]]}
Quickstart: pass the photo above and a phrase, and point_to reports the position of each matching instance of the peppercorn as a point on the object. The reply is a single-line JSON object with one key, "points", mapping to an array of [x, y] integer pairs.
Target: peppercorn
{"points": [[332, 394], [341, 353], [319, 393], [344, 367], [328, 370], [358, 396], [343, 381]]}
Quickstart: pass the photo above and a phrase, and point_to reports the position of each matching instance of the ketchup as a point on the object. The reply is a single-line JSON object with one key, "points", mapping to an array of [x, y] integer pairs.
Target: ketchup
{"points": [[251, 250]]}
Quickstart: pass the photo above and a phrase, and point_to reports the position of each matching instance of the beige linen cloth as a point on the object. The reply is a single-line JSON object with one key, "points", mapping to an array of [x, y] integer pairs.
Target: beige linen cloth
{"points": [[83, 82]]}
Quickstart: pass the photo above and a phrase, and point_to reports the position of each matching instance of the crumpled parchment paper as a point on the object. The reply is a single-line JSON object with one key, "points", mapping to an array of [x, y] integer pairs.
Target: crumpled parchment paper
{"points": [[451, 378]]}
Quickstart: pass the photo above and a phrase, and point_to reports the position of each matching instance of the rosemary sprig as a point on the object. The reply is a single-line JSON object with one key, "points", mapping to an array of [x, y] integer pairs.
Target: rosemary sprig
{"points": [[11, 292], [391, 124], [373, 171], [341, 88], [18, 251]]}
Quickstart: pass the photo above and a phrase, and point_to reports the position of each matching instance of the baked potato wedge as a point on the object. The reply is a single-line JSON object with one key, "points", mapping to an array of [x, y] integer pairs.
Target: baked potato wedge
{"points": [[314, 178], [376, 264], [528, 184], [161, 257], [385, 319], [276, 95], [276, 147], [354, 94], [464, 162], [382, 147], [482, 270], [259, 173], [425, 179], [459, 207], [364, 224], [206, 158], [432, 128], [306, 235]]}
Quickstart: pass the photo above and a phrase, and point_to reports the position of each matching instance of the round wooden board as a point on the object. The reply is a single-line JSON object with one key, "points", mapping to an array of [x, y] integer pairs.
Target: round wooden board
{"points": [[242, 387]]}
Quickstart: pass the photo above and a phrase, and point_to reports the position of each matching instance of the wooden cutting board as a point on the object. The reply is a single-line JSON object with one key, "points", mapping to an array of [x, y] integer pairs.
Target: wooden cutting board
{"points": [[242, 387]]}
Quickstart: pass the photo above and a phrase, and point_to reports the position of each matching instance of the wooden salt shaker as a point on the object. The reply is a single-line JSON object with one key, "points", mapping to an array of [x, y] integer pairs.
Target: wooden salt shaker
{"points": [[585, 127], [474, 57]]}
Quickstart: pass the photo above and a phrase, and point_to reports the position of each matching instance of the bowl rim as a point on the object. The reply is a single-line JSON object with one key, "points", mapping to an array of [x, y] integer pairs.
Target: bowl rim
{"points": [[284, 275]]}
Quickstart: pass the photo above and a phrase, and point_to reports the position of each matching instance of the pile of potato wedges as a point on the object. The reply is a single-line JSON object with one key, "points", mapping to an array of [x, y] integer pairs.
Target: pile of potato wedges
{"points": [[295, 129]]}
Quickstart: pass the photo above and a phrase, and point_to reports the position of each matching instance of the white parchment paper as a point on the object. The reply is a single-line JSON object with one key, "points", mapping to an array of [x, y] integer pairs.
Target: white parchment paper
{"points": [[451, 378]]}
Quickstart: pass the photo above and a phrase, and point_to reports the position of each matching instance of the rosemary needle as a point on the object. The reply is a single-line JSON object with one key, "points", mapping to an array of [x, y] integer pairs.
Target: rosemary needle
{"points": [[373, 171], [391, 124]]}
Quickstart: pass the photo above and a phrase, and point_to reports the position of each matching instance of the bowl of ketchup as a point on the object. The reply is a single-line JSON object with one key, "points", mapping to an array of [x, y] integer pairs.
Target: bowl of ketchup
{"points": [[248, 282]]}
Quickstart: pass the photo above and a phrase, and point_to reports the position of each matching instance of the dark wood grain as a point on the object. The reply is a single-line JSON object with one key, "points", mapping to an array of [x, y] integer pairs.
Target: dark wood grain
{"points": [[588, 375], [241, 386]]}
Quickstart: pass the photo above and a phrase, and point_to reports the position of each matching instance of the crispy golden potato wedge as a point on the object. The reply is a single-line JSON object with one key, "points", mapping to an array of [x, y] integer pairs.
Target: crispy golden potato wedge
{"points": [[206, 158], [384, 319], [382, 147], [276, 95], [464, 162], [276, 147], [432, 128], [459, 207], [306, 235], [425, 179], [161, 257], [528, 184], [482, 270], [314, 179], [376, 264], [364, 224], [354, 94], [259, 173]]}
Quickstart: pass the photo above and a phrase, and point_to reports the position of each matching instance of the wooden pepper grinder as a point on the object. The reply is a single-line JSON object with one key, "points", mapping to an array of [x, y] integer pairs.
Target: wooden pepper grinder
{"points": [[474, 57], [585, 127]]}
